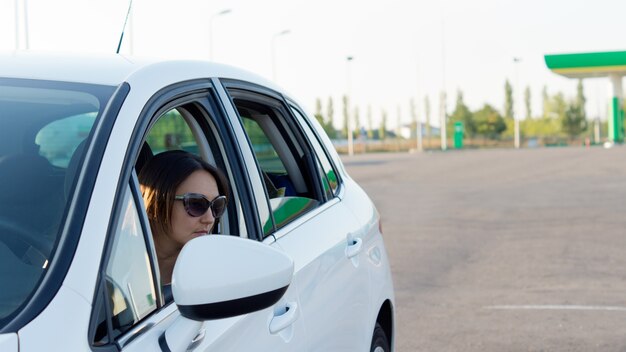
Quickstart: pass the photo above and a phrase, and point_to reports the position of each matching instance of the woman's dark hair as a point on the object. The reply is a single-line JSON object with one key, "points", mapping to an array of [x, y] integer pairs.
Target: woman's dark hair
{"points": [[160, 177]]}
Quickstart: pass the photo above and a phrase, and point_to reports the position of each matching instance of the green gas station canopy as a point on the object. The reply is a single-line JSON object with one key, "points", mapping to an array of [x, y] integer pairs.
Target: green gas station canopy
{"points": [[584, 65]]}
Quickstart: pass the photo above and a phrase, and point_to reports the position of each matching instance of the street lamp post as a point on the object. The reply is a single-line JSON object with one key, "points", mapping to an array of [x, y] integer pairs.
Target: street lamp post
{"points": [[17, 24], [223, 12], [25, 24], [443, 120], [283, 32], [442, 96], [517, 60], [350, 127], [415, 111]]}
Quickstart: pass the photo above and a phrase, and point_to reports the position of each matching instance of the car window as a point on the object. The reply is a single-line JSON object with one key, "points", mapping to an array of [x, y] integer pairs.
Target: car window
{"points": [[283, 158], [41, 125], [58, 140], [190, 128], [328, 174], [268, 158], [171, 132], [129, 285]]}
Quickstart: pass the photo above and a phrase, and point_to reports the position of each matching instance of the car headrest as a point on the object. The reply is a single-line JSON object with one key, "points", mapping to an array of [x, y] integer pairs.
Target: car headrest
{"points": [[22, 173]]}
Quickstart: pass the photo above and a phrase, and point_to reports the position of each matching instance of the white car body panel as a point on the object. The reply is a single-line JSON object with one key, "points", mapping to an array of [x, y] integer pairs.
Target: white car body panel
{"points": [[243, 333], [62, 326], [114, 69], [319, 252], [8, 342]]}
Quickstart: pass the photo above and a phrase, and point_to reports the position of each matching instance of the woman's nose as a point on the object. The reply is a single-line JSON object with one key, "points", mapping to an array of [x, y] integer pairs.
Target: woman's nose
{"points": [[207, 218]]}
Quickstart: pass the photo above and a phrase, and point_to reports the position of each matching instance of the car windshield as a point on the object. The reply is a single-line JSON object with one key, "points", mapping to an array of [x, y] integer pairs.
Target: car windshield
{"points": [[42, 126]]}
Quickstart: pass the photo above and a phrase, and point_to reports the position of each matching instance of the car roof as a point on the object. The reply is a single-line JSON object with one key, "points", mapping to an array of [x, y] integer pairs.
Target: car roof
{"points": [[112, 69]]}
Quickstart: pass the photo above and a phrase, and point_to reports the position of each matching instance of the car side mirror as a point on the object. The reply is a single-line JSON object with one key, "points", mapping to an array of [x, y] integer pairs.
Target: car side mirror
{"points": [[213, 279]]}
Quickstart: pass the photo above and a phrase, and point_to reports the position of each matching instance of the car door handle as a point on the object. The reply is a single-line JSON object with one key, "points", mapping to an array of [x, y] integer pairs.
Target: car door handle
{"points": [[197, 340], [354, 247], [284, 320]]}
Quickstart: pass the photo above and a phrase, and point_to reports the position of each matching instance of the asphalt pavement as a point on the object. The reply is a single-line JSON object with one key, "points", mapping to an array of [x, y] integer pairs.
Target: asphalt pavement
{"points": [[504, 250]]}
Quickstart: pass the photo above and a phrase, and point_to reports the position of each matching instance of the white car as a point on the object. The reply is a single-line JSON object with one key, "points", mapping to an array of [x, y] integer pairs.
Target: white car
{"points": [[299, 263]]}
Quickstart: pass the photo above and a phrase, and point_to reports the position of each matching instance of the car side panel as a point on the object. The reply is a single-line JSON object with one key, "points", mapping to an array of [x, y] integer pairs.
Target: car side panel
{"points": [[251, 332], [375, 254], [333, 291], [62, 326], [248, 332], [8, 342], [382, 286]]}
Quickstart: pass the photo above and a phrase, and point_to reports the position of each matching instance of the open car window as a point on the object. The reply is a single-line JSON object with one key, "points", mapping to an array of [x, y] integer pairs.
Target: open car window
{"points": [[288, 168]]}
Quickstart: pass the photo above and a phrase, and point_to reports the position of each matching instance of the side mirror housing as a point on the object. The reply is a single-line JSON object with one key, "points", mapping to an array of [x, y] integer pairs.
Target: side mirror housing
{"points": [[221, 276]]}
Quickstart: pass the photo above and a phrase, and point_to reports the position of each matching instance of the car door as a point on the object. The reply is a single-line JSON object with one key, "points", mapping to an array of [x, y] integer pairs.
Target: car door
{"points": [[308, 220], [358, 278], [131, 312]]}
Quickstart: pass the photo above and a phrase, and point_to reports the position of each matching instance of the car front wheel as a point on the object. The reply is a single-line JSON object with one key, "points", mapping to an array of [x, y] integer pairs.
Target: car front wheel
{"points": [[380, 342]]}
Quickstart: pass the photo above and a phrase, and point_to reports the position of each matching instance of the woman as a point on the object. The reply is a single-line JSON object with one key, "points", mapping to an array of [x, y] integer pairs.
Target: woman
{"points": [[179, 189]]}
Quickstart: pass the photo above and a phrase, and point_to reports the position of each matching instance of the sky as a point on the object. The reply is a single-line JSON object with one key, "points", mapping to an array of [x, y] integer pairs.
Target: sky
{"points": [[401, 49]]}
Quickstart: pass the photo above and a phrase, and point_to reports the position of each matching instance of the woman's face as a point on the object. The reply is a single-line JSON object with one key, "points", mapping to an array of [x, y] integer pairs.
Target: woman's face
{"points": [[184, 226]]}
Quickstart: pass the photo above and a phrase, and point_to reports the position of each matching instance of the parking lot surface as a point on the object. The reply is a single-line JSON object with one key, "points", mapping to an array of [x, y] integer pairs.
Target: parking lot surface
{"points": [[504, 250]]}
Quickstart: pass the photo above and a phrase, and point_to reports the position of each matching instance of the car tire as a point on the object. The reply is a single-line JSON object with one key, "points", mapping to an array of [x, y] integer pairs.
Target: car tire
{"points": [[380, 342]]}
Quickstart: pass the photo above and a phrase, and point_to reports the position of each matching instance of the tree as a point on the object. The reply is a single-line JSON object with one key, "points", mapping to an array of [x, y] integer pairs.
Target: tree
{"points": [[357, 123], [370, 124], [413, 111], [573, 118], [346, 116], [574, 121], [580, 97], [489, 123], [463, 114], [427, 115], [527, 103], [382, 131], [508, 100], [557, 107], [330, 111], [399, 123], [545, 100], [318, 112], [327, 124]]}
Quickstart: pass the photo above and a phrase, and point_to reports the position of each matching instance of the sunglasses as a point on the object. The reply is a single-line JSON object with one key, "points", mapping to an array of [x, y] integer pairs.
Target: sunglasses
{"points": [[197, 204]]}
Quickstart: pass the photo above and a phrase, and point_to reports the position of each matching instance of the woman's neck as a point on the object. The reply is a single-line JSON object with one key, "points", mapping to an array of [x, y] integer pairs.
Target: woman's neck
{"points": [[165, 247], [167, 252]]}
